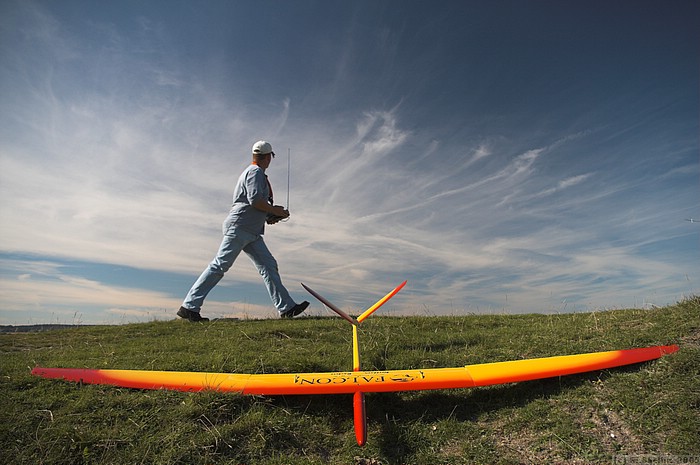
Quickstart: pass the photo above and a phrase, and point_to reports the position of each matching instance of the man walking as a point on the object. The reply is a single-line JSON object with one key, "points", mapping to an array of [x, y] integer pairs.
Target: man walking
{"points": [[243, 231]]}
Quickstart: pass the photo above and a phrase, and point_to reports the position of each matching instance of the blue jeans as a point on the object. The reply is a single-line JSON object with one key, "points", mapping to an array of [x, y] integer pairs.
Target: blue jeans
{"points": [[231, 246]]}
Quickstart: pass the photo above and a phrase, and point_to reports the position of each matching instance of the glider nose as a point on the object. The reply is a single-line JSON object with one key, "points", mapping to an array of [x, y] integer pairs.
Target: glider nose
{"points": [[358, 403]]}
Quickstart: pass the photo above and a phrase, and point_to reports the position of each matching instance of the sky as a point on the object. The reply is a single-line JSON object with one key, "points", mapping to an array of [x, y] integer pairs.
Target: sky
{"points": [[501, 156]]}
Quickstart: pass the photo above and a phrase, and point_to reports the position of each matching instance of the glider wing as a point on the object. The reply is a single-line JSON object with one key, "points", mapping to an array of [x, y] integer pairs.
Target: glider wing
{"points": [[362, 381], [359, 382]]}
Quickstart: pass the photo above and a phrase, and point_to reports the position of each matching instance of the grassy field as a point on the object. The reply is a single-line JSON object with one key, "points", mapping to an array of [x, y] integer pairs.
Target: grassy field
{"points": [[599, 417]]}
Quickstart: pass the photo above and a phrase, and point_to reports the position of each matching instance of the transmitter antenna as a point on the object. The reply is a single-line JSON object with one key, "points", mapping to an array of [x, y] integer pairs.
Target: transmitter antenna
{"points": [[289, 164]]}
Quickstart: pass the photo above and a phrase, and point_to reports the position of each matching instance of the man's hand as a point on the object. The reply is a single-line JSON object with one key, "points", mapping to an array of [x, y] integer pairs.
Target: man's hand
{"points": [[271, 210], [278, 210], [277, 214]]}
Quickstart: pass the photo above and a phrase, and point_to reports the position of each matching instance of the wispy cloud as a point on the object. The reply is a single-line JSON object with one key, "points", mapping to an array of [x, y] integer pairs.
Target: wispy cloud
{"points": [[560, 186], [120, 146], [480, 152], [379, 133], [50, 291]]}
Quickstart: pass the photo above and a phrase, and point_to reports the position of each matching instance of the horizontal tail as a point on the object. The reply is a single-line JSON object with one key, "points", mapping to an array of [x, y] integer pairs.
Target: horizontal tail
{"points": [[365, 314], [381, 302], [328, 304]]}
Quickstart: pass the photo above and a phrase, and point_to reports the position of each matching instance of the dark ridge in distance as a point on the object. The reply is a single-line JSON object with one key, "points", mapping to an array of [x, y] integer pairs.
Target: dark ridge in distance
{"points": [[4, 329]]}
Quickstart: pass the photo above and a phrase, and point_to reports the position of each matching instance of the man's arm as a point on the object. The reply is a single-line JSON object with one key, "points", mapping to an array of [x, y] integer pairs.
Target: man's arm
{"points": [[274, 210]]}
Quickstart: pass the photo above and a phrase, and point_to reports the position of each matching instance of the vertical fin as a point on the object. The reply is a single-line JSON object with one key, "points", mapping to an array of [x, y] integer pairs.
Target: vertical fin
{"points": [[358, 400], [381, 302]]}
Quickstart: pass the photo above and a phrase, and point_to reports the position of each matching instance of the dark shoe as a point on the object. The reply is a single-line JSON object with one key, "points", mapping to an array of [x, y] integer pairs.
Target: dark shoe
{"points": [[189, 315], [295, 310]]}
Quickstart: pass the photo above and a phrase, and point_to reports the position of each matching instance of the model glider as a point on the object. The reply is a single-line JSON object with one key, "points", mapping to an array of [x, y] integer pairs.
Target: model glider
{"points": [[358, 382]]}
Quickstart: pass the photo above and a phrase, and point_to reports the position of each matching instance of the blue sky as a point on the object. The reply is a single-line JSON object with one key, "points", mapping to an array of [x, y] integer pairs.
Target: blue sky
{"points": [[503, 156]]}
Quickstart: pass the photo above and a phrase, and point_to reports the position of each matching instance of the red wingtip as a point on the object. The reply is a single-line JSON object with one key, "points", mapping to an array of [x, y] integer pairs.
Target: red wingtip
{"points": [[665, 350]]}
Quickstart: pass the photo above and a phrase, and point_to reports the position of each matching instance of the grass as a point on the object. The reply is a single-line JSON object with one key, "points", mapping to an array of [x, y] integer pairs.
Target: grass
{"points": [[652, 408]]}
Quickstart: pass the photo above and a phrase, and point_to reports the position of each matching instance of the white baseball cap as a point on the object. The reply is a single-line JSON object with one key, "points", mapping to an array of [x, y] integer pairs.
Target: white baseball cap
{"points": [[262, 147]]}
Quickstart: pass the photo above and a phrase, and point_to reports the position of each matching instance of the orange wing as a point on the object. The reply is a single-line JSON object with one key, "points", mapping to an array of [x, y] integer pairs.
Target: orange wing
{"points": [[362, 381]]}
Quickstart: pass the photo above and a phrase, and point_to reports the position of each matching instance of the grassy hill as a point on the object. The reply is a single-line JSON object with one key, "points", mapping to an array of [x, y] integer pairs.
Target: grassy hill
{"points": [[615, 416]]}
